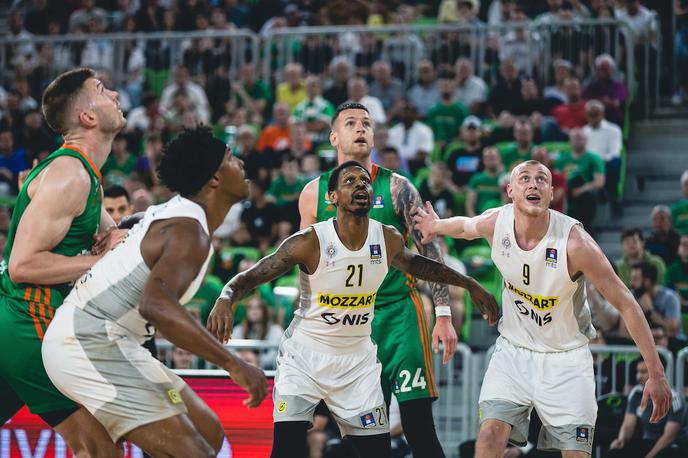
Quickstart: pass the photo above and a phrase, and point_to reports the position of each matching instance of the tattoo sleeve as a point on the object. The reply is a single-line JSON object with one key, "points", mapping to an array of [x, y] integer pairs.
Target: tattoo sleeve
{"points": [[427, 269], [406, 199], [267, 269]]}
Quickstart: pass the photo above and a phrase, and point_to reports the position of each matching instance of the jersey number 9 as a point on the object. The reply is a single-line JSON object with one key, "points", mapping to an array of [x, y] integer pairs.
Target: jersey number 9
{"points": [[526, 274]]}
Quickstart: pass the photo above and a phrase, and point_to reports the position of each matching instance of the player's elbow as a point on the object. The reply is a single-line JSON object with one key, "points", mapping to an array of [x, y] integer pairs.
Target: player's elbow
{"points": [[152, 311], [19, 270]]}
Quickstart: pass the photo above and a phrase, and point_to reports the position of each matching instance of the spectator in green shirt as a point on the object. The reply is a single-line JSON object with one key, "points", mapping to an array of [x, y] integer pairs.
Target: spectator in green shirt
{"points": [[634, 252], [446, 117], [252, 94], [285, 189], [315, 111], [679, 210], [120, 164], [484, 190], [584, 173], [205, 297], [677, 273], [522, 148]]}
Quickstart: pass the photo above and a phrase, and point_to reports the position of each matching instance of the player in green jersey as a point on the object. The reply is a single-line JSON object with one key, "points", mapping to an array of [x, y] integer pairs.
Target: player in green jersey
{"points": [[58, 230], [400, 328]]}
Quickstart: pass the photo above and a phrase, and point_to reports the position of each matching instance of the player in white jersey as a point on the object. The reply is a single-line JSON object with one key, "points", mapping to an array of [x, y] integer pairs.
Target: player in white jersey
{"points": [[327, 353], [541, 359], [92, 350]]}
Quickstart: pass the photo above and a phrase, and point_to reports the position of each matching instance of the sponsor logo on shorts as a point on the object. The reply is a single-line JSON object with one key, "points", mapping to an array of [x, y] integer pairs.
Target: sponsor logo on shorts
{"points": [[539, 302], [174, 396], [583, 434], [282, 406], [368, 420], [348, 301]]}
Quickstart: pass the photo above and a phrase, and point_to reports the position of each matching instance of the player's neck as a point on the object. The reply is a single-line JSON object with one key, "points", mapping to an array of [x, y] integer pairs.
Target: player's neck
{"points": [[530, 230], [364, 160], [351, 229], [215, 207], [94, 144]]}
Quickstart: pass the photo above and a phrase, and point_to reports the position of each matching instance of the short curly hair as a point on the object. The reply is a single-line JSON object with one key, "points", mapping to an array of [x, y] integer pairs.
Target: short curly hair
{"points": [[334, 177], [189, 161]]}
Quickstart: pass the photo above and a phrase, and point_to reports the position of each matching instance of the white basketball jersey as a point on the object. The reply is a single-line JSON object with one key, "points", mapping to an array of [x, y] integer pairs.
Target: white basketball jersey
{"points": [[113, 287], [338, 299], [542, 309]]}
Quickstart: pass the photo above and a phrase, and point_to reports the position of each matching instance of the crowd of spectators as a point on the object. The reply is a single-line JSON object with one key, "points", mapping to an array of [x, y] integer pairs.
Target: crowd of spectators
{"points": [[455, 131]]}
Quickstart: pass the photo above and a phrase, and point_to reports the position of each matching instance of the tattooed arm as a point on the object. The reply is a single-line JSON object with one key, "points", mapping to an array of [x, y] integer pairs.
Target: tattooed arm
{"points": [[406, 199], [301, 249], [427, 269]]}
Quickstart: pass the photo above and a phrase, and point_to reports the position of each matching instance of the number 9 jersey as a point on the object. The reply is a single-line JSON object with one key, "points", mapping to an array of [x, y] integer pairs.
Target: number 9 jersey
{"points": [[542, 308], [338, 298]]}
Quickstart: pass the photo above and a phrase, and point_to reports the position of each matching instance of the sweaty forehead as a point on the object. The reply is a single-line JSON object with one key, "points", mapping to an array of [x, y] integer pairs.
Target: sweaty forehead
{"points": [[530, 169], [354, 113]]}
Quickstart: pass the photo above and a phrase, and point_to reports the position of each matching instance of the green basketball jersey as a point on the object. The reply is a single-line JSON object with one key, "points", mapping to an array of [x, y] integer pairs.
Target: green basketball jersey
{"points": [[77, 241], [396, 285]]}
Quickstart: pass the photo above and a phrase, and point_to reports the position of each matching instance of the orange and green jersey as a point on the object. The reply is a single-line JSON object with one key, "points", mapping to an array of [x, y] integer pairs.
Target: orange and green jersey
{"points": [[41, 300], [397, 285]]}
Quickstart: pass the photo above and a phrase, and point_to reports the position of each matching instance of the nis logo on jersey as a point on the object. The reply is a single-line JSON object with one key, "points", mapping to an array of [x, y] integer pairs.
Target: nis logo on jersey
{"points": [[348, 301], [539, 303]]}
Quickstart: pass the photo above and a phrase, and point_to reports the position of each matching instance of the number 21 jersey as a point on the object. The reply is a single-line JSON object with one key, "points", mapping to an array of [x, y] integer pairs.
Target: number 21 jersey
{"points": [[338, 298]]}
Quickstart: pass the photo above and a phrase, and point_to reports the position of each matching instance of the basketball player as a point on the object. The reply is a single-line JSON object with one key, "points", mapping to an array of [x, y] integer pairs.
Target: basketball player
{"points": [[92, 349], [327, 353], [400, 327], [541, 359], [50, 244]]}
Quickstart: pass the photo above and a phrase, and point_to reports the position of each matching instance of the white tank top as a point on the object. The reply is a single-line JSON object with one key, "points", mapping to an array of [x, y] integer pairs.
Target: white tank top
{"points": [[112, 289], [542, 309], [338, 298]]}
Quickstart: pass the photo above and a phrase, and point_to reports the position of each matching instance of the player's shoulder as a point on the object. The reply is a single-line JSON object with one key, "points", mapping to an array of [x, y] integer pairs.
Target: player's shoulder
{"points": [[64, 176]]}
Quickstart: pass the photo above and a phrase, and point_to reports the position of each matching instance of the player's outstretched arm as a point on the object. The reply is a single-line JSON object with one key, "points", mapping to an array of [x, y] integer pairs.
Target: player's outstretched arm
{"points": [[301, 248], [459, 227], [586, 257], [175, 251], [58, 195], [426, 269]]}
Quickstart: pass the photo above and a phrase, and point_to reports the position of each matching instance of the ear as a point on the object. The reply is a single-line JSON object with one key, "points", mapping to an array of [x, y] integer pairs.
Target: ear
{"points": [[214, 182], [333, 197], [87, 118], [333, 139], [510, 190]]}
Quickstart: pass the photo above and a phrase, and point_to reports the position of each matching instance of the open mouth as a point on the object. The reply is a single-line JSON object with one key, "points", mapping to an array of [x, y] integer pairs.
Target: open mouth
{"points": [[361, 196], [361, 140], [533, 198]]}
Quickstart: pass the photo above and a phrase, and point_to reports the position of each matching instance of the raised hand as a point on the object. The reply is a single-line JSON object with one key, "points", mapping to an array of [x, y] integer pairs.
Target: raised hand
{"points": [[424, 222]]}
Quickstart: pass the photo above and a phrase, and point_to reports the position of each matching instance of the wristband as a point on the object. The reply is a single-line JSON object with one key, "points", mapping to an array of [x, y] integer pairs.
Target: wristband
{"points": [[227, 292], [442, 310]]}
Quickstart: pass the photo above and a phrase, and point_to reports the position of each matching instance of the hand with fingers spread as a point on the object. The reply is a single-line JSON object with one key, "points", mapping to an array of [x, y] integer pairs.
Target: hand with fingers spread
{"points": [[250, 378], [657, 388], [485, 302], [424, 220], [444, 332], [221, 320]]}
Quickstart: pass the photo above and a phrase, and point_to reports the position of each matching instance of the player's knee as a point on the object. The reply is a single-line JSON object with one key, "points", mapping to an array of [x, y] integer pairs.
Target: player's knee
{"points": [[492, 436], [87, 447]]}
